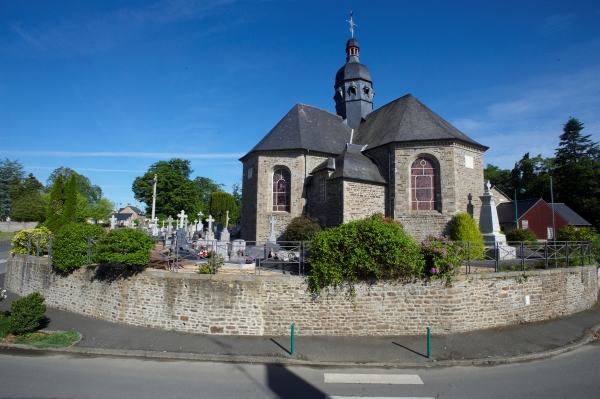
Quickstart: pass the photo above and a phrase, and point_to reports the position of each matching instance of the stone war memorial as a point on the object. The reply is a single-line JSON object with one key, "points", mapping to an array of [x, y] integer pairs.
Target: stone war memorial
{"points": [[402, 161]]}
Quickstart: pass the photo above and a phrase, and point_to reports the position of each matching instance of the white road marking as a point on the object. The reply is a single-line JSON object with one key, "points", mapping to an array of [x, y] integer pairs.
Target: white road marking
{"points": [[390, 379], [376, 397]]}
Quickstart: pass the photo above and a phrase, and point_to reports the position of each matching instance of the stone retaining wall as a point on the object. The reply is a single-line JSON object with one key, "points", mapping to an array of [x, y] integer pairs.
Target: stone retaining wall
{"points": [[268, 305], [9, 227]]}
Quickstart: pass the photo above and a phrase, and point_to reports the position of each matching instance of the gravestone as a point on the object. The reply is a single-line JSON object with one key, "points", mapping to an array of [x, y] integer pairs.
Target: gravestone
{"points": [[210, 235], [169, 227], [224, 236], [271, 237], [113, 220]]}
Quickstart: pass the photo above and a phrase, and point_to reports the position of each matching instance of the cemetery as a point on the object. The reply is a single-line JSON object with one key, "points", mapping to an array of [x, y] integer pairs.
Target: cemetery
{"points": [[260, 288]]}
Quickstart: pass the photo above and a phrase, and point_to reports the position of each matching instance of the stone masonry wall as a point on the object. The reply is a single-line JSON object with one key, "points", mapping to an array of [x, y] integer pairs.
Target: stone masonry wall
{"points": [[267, 305], [362, 200]]}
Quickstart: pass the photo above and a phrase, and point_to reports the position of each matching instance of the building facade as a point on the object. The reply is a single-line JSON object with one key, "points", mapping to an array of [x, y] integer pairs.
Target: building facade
{"points": [[401, 160]]}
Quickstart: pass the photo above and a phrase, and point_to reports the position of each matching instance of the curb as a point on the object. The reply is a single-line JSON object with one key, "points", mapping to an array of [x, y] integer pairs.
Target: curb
{"points": [[589, 334]]}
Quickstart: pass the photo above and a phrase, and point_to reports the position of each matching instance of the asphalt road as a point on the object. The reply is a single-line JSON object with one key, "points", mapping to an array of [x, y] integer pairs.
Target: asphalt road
{"points": [[4, 251], [43, 375]]}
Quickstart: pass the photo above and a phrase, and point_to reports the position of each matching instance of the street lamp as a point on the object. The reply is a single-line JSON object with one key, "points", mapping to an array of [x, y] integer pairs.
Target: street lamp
{"points": [[521, 190]]}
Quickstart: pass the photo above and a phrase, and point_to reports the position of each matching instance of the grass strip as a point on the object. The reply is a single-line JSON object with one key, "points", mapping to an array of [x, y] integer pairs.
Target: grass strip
{"points": [[49, 340]]}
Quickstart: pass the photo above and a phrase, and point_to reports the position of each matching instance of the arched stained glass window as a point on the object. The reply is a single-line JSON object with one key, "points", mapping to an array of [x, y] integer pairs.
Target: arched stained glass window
{"points": [[281, 190], [423, 191]]}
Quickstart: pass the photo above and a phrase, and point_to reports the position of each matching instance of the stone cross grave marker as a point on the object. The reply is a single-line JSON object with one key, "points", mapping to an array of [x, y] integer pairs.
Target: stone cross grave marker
{"points": [[226, 219], [271, 237], [180, 221], [113, 220], [210, 235], [169, 228]]}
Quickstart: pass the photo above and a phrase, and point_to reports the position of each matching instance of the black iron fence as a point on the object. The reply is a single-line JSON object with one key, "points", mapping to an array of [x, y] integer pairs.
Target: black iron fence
{"points": [[291, 257], [524, 255]]}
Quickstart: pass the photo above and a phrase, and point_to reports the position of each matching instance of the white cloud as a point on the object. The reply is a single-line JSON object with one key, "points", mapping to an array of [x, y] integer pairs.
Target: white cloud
{"points": [[556, 23], [125, 154]]}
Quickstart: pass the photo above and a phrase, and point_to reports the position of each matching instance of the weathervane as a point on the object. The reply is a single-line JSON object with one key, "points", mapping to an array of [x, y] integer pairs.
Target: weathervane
{"points": [[352, 24]]}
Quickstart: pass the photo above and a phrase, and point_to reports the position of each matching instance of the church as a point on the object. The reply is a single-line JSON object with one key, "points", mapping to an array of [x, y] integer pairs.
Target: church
{"points": [[401, 160]]}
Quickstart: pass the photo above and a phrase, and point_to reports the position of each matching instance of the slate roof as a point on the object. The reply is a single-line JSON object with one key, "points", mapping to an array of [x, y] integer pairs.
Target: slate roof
{"points": [[506, 210], [306, 127], [123, 216], [328, 164], [570, 215], [353, 164], [407, 119], [351, 71]]}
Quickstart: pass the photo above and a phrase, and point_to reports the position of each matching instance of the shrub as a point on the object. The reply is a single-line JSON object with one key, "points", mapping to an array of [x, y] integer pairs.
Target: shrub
{"points": [[70, 247], [26, 313], [127, 247], [371, 249], [56, 205], [521, 235], [572, 233], [465, 230], [215, 262], [442, 257], [302, 228], [19, 242]]}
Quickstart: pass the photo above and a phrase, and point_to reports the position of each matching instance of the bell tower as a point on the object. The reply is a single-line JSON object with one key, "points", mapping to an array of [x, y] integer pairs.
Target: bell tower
{"points": [[353, 86]]}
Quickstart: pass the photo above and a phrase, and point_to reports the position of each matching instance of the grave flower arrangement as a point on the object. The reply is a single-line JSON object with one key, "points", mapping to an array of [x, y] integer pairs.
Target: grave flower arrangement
{"points": [[442, 257]]}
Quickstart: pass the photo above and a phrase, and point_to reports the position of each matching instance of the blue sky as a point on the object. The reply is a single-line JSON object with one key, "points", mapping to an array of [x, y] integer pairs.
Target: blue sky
{"points": [[109, 87]]}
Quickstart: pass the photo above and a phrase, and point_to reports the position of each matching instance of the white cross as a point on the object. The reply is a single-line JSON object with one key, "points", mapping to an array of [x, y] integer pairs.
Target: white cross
{"points": [[200, 214], [169, 221], [113, 220], [181, 216], [210, 221]]}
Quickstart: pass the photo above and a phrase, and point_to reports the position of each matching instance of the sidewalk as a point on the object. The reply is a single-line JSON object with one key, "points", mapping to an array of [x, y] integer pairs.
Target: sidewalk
{"points": [[500, 345]]}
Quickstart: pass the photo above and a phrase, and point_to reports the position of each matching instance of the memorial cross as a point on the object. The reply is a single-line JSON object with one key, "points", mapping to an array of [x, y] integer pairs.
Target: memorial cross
{"points": [[210, 221]]}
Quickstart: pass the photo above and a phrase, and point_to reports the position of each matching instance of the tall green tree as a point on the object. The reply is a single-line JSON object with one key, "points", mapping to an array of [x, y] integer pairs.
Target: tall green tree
{"points": [[206, 187], [577, 172], [220, 203], [531, 177], [28, 204], [175, 191], [8, 171], [498, 177], [70, 212], [56, 206], [85, 187]]}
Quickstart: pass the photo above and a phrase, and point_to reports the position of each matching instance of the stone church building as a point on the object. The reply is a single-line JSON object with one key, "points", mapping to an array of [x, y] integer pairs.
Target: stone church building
{"points": [[401, 160]]}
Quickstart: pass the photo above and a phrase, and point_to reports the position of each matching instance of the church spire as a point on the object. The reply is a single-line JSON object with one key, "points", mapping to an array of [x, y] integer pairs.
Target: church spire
{"points": [[353, 86]]}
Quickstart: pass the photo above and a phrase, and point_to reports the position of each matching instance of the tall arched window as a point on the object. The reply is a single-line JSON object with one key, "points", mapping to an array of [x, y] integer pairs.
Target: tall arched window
{"points": [[281, 190], [423, 188]]}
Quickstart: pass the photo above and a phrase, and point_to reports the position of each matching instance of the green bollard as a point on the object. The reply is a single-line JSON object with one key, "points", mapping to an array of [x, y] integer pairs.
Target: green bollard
{"points": [[428, 342], [292, 344]]}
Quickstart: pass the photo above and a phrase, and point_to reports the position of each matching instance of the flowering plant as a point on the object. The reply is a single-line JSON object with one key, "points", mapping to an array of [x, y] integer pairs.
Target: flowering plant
{"points": [[2, 295], [249, 259], [442, 257]]}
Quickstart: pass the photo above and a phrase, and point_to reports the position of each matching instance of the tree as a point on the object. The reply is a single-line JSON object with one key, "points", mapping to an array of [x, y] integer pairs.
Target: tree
{"points": [[70, 210], [174, 189], [84, 186], [498, 177], [220, 202], [28, 204], [237, 197], [206, 187], [56, 206], [577, 172], [101, 210], [8, 170], [531, 177]]}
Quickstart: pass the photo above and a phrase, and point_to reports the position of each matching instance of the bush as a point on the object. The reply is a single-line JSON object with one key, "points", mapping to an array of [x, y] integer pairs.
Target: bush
{"points": [[26, 313], [70, 247], [365, 250], [127, 247], [572, 233], [19, 242], [465, 230], [302, 228], [521, 235], [215, 262], [442, 257]]}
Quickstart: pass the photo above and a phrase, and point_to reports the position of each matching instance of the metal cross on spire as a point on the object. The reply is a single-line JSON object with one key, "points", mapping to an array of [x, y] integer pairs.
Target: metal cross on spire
{"points": [[352, 24]]}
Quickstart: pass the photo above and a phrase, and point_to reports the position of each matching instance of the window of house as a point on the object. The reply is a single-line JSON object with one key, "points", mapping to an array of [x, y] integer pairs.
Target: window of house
{"points": [[423, 187], [281, 190], [322, 190]]}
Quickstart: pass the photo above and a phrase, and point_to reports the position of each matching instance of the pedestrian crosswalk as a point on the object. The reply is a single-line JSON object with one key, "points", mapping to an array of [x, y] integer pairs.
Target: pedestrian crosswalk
{"points": [[383, 379]]}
